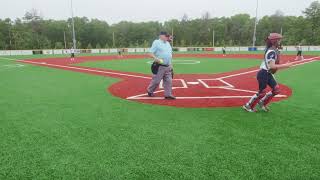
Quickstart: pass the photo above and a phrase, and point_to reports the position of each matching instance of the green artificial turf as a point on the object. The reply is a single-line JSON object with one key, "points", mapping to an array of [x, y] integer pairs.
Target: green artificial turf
{"points": [[181, 66], [56, 124]]}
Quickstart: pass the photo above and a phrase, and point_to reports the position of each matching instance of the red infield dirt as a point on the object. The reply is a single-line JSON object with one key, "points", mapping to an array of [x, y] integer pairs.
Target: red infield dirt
{"points": [[230, 89]]}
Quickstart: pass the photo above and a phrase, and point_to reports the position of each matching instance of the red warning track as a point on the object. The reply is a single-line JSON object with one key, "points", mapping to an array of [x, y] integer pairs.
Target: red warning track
{"points": [[228, 89]]}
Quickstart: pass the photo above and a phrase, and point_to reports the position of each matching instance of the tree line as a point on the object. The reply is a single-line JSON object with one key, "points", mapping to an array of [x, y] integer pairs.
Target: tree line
{"points": [[34, 32]]}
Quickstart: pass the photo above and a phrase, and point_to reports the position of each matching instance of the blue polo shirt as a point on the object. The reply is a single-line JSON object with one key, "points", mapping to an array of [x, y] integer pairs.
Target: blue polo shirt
{"points": [[162, 50]]}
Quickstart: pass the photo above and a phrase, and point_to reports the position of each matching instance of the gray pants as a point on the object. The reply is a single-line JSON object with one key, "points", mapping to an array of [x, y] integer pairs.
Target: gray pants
{"points": [[165, 74]]}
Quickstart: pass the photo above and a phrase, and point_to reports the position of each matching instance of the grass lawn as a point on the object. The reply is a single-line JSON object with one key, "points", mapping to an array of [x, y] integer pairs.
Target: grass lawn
{"points": [[56, 124]]}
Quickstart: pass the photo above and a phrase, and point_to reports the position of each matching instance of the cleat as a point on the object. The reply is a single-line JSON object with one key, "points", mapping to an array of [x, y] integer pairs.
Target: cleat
{"points": [[248, 109], [150, 94], [264, 107], [170, 98]]}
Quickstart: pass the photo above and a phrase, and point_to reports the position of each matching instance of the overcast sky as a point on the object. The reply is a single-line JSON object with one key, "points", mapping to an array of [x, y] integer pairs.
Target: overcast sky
{"points": [[114, 11]]}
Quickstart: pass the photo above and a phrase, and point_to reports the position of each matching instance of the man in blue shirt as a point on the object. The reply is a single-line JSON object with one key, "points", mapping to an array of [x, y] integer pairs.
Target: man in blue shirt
{"points": [[161, 52]]}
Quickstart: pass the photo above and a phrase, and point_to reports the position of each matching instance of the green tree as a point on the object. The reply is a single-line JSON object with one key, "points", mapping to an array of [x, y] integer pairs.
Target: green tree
{"points": [[89, 46], [34, 32], [58, 45], [313, 16]]}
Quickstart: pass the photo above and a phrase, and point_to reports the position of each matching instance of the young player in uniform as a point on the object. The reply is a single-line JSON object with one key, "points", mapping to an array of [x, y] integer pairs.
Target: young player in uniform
{"points": [[224, 51], [299, 54], [72, 51], [265, 76], [120, 51]]}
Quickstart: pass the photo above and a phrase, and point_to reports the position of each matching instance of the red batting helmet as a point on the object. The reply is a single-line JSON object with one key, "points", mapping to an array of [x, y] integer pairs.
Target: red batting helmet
{"points": [[274, 36]]}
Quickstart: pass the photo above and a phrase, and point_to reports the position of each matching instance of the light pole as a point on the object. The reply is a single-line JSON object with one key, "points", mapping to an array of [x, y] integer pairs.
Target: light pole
{"points": [[255, 27], [113, 40], [73, 31], [172, 37], [64, 39], [10, 41], [213, 34]]}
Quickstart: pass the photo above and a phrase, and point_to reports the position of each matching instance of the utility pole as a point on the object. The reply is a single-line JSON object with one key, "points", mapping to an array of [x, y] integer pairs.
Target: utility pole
{"points": [[213, 34], [113, 40], [64, 39], [73, 31], [255, 27], [10, 41], [172, 37]]}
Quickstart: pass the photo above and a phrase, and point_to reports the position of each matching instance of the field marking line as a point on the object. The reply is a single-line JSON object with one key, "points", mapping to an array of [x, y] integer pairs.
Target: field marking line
{"points": [[240, 90], [193, 83], [212, 87], [10, 59], [122, 74], [203, 97], [140, 96], [85, 69], [248, 72], [14, 65], [230, 85], [238, 74], [11, 66], [297, 64], [249, 91], [184, 84], [145, 94], [305, 61]]}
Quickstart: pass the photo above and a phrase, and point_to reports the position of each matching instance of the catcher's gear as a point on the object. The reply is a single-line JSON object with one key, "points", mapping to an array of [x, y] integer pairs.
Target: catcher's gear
{"points": [[276, 90]]}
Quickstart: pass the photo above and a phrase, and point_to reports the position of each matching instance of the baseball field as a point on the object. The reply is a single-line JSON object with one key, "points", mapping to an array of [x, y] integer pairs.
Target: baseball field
{"points": [[91, 119]]}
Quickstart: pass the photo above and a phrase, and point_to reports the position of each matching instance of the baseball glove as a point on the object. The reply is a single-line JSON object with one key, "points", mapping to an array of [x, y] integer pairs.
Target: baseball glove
{"points": [[155, 68]]}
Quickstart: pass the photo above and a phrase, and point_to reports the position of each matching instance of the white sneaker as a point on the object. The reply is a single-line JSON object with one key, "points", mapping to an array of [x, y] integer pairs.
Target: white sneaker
{"points": [[248, 109], [263, 107]]}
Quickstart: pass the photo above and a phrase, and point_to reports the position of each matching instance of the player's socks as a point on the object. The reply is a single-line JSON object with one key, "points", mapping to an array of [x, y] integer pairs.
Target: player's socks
{"points": [[263, 107], [267, 98], [253, 101]]}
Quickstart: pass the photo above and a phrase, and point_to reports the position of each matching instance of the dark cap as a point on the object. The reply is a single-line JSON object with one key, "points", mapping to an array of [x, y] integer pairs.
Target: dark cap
{"points": [[163, 33]]}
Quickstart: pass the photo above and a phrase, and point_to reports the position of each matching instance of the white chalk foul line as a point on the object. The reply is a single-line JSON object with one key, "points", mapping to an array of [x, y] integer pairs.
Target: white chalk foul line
{"points": [[129, 75], [229, 87], [85, 69], [298, 64], [305, 61], [203, 97]]}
